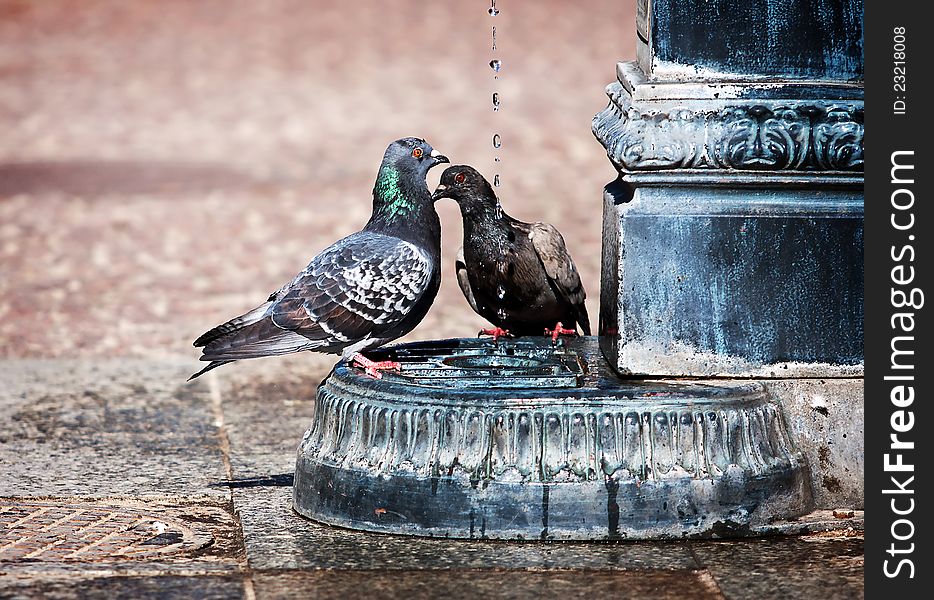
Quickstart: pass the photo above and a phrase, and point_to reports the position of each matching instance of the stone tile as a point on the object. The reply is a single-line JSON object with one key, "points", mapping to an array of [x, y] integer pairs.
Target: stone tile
{"points": [[140, 588], [825, 566], [277, 538], [267, 407], [96, 429], [661, 585]]}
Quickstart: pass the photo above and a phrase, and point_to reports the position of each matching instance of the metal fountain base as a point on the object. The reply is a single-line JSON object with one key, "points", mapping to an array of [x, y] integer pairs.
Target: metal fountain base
{"points": [[521, 440]]}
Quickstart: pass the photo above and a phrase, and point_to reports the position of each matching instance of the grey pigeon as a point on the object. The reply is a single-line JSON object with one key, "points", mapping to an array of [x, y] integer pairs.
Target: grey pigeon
{"points": [[361, 292], [518, 276]]}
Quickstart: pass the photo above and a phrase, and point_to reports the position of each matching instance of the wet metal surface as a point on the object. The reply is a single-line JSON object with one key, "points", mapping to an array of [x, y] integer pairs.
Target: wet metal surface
{"points": [[727, 282], [804, 39], [506, 364]]}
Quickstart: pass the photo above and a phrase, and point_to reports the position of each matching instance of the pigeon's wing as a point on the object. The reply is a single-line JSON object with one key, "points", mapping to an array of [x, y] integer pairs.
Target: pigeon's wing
{"points": [[549, 245], [460, 267], [357, 288], [551, 250]]}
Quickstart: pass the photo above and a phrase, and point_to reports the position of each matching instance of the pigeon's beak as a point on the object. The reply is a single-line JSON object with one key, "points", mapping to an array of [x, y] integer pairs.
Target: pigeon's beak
{"points": [[438, 157], [440, 192]]}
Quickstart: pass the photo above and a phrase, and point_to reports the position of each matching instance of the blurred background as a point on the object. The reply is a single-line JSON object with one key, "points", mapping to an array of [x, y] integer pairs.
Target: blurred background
{"points": [[165, 165]]}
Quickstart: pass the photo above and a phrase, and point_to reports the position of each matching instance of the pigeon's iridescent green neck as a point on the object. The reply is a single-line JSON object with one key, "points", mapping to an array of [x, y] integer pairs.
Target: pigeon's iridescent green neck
{"points": [[388, 190]]}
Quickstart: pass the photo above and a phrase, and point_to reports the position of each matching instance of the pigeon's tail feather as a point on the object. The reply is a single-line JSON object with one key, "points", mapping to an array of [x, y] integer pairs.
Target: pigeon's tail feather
{"points": [[582, 319], [262, 338], [253, 340], [232, 325], [212, 365]]}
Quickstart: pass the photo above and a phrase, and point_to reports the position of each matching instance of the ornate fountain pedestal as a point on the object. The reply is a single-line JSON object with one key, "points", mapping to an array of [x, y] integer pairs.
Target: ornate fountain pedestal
{"points": [[733, 237], [733, 240], [724, 396], [519, 440]]}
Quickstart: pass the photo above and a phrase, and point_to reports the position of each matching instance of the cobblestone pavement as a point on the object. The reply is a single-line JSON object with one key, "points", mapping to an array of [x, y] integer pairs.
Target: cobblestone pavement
{"points": [[164, 166]]}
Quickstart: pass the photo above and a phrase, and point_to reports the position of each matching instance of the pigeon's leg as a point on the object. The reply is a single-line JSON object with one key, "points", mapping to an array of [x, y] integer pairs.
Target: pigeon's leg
{"points": [[559, 330], [373, 367], [496, 332]]}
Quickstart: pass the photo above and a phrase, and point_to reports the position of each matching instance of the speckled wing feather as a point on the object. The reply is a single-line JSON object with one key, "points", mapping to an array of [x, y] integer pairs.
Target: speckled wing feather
{"points": [[551, 250], [359, 287]]}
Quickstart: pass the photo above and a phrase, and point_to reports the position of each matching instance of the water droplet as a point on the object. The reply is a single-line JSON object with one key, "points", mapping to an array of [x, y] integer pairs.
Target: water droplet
{"points": [[493, 10], [497, 141], [496, 181], [496, 64], [502, 314], [500, 292], [495, 101], [494, 37], [496, 159]]}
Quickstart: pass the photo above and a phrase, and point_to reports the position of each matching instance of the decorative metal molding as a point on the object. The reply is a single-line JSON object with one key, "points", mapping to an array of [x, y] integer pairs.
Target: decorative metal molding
{"points": [[732, 134], [553, 444]]}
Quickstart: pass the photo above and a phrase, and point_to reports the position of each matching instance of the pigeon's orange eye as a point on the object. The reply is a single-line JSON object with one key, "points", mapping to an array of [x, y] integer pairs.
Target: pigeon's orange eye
{"points": [[460, 178], [417, 153]]}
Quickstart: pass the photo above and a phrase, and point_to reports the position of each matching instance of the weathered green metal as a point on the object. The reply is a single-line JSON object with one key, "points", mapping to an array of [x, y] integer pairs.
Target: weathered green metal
{"points": [[417, 453]]}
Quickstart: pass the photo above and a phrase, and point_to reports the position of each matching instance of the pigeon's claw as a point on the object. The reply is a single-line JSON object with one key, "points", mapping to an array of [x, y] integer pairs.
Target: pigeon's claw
{"points": [[559, 330], [374, 368], [496, 333]]}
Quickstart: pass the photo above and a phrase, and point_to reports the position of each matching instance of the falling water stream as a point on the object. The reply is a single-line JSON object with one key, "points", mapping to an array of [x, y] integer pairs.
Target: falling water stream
{"points": [[495, 64]]}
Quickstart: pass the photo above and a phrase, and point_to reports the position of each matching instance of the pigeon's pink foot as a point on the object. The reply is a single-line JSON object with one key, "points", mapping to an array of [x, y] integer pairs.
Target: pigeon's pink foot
{"points": [[374, 368], [496, 332], [559, 330]]}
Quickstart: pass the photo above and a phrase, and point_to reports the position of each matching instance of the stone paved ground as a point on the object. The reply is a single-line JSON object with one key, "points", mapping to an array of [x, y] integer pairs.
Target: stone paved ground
{"points": [[165, 165]]}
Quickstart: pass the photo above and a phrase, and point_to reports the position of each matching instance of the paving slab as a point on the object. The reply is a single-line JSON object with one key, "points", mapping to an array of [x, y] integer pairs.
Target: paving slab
{"points": [[104, 429], [139, 588], [661, 585], [267, 406], [277, 538], [827, 566]]}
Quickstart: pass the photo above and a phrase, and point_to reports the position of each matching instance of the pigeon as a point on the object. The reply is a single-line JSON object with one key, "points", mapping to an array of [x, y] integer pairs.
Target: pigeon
{"points": [[361, 292], [518, 276]]}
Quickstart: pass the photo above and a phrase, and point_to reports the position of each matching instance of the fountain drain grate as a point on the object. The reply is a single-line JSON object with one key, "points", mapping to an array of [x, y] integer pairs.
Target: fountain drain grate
{"points": [[54, 532]]}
